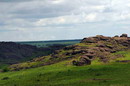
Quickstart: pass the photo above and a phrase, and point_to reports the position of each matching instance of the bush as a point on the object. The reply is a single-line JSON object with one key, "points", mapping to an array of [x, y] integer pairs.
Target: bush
{"points": [[5, 78], [5, 69]]}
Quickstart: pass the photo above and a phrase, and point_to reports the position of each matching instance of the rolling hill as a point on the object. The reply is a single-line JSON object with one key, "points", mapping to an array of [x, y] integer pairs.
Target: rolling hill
{"points": [[95, 61]]}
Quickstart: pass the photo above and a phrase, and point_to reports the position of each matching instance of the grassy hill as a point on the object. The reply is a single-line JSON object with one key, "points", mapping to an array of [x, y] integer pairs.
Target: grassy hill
{"points": [[63, 74], [95, 61]]}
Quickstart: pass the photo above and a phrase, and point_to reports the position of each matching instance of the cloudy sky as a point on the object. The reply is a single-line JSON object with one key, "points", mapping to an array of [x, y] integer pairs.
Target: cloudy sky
{"points": [[27, 20]]}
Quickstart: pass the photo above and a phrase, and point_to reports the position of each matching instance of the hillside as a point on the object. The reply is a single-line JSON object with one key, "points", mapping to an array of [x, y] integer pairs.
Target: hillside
{"points": [[99, 48], [96, 61], [62, 74]]}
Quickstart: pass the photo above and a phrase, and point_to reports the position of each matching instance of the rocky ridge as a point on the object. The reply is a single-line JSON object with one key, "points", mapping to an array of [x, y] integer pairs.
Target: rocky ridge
{"points": [[99, 48], [103, 49]]}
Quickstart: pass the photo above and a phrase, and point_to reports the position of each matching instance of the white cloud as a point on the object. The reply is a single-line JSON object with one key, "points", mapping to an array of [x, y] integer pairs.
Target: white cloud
{"points": [[69, 19], [91, 17], [57, 1]]}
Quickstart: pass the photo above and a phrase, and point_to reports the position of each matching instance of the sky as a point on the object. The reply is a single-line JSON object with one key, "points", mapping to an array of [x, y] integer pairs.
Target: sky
{"points": [[36, 20]]}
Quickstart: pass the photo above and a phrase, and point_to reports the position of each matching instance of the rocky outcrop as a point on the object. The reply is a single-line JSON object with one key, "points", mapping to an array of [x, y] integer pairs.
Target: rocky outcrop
{"points": [[104, 48], [99, 48], [90, 48], [95, 39], [124, 35]]}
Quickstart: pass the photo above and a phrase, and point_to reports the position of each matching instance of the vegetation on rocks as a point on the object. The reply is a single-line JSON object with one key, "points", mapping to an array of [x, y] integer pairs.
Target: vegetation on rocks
{"points": [[84, 53]]}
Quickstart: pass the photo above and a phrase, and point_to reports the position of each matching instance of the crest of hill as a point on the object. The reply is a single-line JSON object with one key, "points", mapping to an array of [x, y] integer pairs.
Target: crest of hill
{"points": [[100, 48]]}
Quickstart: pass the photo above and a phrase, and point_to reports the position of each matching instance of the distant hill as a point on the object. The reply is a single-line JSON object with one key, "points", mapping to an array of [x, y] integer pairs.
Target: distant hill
{"points": [[11, 52], [50, 43]]}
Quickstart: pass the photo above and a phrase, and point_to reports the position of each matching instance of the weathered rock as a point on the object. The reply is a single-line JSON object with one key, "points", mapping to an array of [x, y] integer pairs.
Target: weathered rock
{"points": [[76, 52], [116, 36], [95, 39], [90, 56], [84, 60], [102, 38], [124, 35], [89, 40], [101, 45]]}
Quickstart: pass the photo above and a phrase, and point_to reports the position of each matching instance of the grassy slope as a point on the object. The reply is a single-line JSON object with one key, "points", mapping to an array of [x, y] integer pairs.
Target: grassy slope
{"points": [[62, 74]]}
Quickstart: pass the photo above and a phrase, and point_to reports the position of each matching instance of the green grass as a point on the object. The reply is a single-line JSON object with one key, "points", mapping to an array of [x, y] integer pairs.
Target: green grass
{"points": [[61, 75], [85, 45], [64, 74], [126, 55]]}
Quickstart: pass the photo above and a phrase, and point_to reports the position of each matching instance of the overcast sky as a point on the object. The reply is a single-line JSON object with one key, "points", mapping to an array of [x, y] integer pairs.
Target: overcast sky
{"points": [[27, 20]]}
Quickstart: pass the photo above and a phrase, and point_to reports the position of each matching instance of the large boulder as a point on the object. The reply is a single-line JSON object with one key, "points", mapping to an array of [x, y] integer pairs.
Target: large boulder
{"points": [[124, 35], [84, 60], [116, 36]]}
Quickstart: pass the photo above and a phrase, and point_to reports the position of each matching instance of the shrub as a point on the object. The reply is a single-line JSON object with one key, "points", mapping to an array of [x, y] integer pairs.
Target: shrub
{"points": [[6, 69]]}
